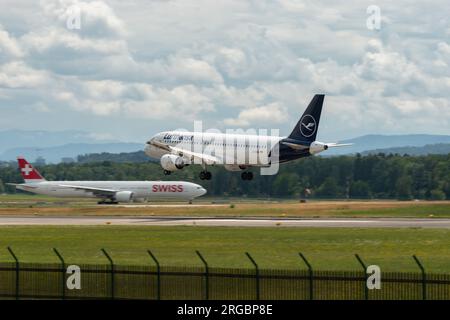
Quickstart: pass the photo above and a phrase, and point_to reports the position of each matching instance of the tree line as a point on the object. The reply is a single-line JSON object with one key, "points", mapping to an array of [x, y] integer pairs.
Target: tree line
{"points": [[356, 177]]}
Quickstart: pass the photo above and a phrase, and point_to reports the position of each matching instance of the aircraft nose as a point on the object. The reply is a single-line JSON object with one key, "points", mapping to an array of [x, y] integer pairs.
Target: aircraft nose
{"points": [[148, 146], [201, 191]]}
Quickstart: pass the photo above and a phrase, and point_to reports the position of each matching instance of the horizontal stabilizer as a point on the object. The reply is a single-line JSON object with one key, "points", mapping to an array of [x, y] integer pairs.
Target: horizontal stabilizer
{"points": [[332, 145], [296, 146]]}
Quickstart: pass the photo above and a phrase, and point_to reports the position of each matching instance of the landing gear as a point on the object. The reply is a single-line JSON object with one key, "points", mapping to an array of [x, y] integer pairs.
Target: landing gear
{"points": [[247, 176], [167, 172], [107, 202], [205, 175]]}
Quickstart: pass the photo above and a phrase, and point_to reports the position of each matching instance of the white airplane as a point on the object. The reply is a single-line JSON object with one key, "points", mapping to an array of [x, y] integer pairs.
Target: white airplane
{"points": [[109, 192], [238, 152]]}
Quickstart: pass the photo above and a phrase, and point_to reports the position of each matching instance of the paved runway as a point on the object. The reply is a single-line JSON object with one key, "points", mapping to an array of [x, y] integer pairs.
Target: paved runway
{"points": [[230, 222]]}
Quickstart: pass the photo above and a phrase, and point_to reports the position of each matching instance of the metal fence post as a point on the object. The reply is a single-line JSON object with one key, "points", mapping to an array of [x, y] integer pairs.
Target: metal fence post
{"points": [[256, 275], [424, 278], [206, 274], [311, 288], [17, 271], [63, 273], [366, 290], [158, 276], [112, 272]]}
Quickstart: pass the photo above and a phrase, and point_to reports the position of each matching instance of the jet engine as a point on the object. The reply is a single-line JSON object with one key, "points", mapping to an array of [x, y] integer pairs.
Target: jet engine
{"points": [[172, 162], [317, 147], [124, 196]]}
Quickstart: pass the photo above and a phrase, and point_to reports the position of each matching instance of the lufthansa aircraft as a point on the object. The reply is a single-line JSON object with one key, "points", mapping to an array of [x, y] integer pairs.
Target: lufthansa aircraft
{"points": [[238, 152], [109, 192]]}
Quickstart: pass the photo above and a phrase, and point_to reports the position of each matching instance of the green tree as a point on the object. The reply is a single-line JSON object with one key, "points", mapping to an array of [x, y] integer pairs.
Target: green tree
{"points": [[329, 188], [437, 194], [378, 176], [403, 187], [447, 187], [360, 189], [285, 185]]}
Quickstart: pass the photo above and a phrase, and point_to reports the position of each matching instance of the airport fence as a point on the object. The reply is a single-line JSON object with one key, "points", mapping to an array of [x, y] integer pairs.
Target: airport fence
{"points": [[156, 282]]}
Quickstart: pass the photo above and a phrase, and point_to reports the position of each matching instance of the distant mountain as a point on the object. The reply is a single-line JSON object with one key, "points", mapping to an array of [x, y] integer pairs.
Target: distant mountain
{"points": [[53, 146], [72, 150], [439, 148], [43, 139], [135, 157], [374, 142]]}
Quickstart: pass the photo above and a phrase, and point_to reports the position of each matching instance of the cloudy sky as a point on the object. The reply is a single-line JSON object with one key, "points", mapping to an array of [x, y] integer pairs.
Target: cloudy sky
{"points": [[138, 67]]}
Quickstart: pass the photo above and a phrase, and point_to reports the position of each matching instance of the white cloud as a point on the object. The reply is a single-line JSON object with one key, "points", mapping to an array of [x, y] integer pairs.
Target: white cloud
{"points": [[193, 69], [18, 75], [184, 101], [268, 114], [60, 39], [232, 62], [136, 100], [9, 48]]}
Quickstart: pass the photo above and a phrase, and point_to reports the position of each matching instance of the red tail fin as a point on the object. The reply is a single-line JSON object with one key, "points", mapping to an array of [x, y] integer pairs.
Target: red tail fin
{"points": [[29, 173]]}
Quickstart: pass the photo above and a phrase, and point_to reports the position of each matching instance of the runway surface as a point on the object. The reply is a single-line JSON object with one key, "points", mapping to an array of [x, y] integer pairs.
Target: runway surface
{"points": [[229, 222]]}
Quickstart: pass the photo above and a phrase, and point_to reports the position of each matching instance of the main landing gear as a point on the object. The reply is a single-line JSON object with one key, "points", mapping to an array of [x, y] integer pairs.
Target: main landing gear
{"points": [[247, 175], [107, 202], [205, 175], [167, 172]]}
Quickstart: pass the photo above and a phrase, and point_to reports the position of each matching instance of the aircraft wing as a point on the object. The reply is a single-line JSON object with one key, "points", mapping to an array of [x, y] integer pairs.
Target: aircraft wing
{"points": [[187, 154], [96, 191], [21, 186]]}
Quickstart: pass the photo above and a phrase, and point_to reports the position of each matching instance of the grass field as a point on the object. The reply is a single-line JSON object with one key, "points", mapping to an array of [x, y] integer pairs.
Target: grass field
{"points": [[327, 248], [240, 209], [38, 205], [331, 249]]}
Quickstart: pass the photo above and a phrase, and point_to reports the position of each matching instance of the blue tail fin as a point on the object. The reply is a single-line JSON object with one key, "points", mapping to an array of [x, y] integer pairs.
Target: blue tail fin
{"points": [[307, 126]]}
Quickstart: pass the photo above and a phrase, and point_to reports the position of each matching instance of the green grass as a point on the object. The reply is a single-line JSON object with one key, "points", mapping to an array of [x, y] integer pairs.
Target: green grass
{"points": [[326, 248], [41, 206], [412, 210], [25, 197], [423, 211]]}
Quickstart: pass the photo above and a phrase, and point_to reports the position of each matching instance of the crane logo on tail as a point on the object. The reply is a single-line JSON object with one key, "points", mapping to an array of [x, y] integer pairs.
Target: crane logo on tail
{"points": [[308, 126]]}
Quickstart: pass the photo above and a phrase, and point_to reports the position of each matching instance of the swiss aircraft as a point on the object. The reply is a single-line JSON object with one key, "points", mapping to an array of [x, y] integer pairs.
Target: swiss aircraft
{"points": [[238, 152], [108, 192]]}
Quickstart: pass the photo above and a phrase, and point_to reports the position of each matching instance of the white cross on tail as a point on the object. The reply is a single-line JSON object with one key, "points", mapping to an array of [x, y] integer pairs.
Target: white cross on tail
{"points": [[27, 170]]}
